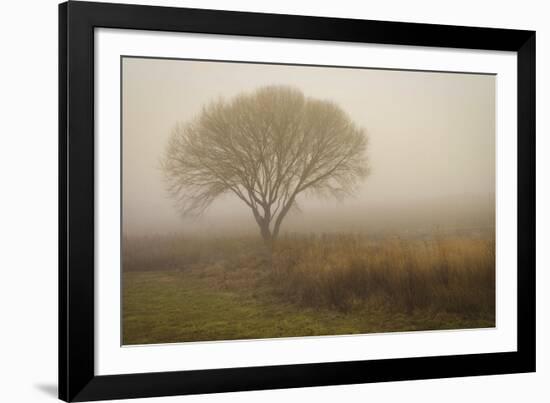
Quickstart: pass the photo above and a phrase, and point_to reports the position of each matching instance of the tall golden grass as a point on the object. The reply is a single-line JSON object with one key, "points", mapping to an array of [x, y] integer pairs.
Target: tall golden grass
{"points": [[341, 272], [450, 274]]}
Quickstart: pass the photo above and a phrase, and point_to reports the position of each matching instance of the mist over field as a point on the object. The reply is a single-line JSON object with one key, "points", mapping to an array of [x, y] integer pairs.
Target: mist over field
{"points": [[262, 160], [431, 146]]}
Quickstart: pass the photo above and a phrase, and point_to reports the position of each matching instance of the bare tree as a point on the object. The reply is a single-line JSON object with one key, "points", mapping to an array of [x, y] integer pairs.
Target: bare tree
{"points": [[266, 148]]}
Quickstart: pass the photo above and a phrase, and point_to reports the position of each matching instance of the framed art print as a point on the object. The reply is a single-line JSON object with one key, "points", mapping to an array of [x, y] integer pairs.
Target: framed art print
{"points": [[254, 201]]}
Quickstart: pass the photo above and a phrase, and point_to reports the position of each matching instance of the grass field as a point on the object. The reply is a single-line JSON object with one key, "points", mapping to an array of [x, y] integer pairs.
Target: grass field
{"points": [[177, 289]]}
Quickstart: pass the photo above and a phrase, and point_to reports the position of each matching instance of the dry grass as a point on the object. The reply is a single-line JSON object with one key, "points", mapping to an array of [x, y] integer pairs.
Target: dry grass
{"points": [[188, 289], [341, 272], [180, 253]]}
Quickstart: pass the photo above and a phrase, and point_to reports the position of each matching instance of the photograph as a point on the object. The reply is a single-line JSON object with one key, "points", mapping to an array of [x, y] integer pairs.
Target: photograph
{"points": [[263, 200]]}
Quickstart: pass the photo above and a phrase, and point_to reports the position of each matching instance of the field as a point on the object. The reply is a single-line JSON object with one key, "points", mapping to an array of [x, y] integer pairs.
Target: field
{"points": [[180, 289]]}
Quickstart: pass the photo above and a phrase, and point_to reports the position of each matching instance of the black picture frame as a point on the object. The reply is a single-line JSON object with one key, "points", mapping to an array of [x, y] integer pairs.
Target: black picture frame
{"points": [[77, 378]]}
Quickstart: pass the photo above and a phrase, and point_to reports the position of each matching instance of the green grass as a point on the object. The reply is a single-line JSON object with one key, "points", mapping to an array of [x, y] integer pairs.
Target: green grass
{"points": [[216, 304]]}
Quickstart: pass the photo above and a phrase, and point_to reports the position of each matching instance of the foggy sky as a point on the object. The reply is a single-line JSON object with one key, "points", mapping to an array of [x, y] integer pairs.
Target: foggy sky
{"points": [[431, 150]]}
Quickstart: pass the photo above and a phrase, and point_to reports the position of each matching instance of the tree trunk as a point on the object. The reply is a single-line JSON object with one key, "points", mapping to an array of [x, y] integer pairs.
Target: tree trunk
{"points": [[268, 239]]}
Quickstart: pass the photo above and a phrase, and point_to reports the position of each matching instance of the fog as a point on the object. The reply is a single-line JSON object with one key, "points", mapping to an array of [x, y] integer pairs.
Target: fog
{"points": [[431, 146]]}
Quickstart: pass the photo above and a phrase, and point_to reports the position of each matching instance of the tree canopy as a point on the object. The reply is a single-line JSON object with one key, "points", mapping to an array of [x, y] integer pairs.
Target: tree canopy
{"points": [[265, 147]]}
